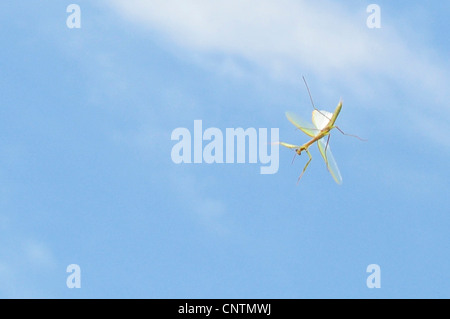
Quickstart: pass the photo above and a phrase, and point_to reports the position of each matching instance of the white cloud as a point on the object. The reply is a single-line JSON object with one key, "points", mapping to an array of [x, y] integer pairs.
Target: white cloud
{"points": [[260, 30], [321, 35], [289, 38]]}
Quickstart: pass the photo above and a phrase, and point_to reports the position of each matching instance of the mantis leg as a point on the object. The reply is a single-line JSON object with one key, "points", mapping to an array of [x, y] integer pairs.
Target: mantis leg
{"points": [[295, 154], [304, 169], [291, 146], [328, 141]]}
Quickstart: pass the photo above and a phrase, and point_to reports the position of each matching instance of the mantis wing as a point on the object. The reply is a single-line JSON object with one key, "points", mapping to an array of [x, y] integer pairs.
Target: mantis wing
{"points": [[332, 167], [320, 119], [306, 127]]}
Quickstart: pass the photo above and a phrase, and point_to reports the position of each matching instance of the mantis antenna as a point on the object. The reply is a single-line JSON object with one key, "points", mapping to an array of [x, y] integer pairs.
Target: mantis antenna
{"points": [[309, 93], [310, 97]]}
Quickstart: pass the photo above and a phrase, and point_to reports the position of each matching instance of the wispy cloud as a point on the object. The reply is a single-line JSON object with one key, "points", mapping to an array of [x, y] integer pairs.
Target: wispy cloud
{"points": [[322, 35], [290, 37]]}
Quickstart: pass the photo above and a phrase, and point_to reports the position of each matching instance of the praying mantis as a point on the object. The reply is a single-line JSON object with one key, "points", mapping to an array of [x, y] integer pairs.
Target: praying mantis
{"points": [[323, 122]]}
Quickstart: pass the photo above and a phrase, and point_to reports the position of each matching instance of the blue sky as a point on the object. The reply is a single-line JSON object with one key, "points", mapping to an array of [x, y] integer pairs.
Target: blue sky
{"points": [[86, 175]]}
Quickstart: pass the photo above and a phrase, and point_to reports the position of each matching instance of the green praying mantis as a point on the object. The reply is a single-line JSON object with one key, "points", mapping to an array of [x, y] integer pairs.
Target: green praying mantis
{"points": [[323, 123]]}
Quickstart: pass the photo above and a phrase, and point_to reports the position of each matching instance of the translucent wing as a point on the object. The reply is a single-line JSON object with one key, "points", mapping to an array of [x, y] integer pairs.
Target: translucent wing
{"points": [[306, 127], [325, 151], [320, 119]]}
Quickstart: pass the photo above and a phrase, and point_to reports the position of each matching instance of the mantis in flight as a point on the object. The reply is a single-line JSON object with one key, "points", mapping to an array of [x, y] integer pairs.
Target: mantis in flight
{"points": [[323, 123]]}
